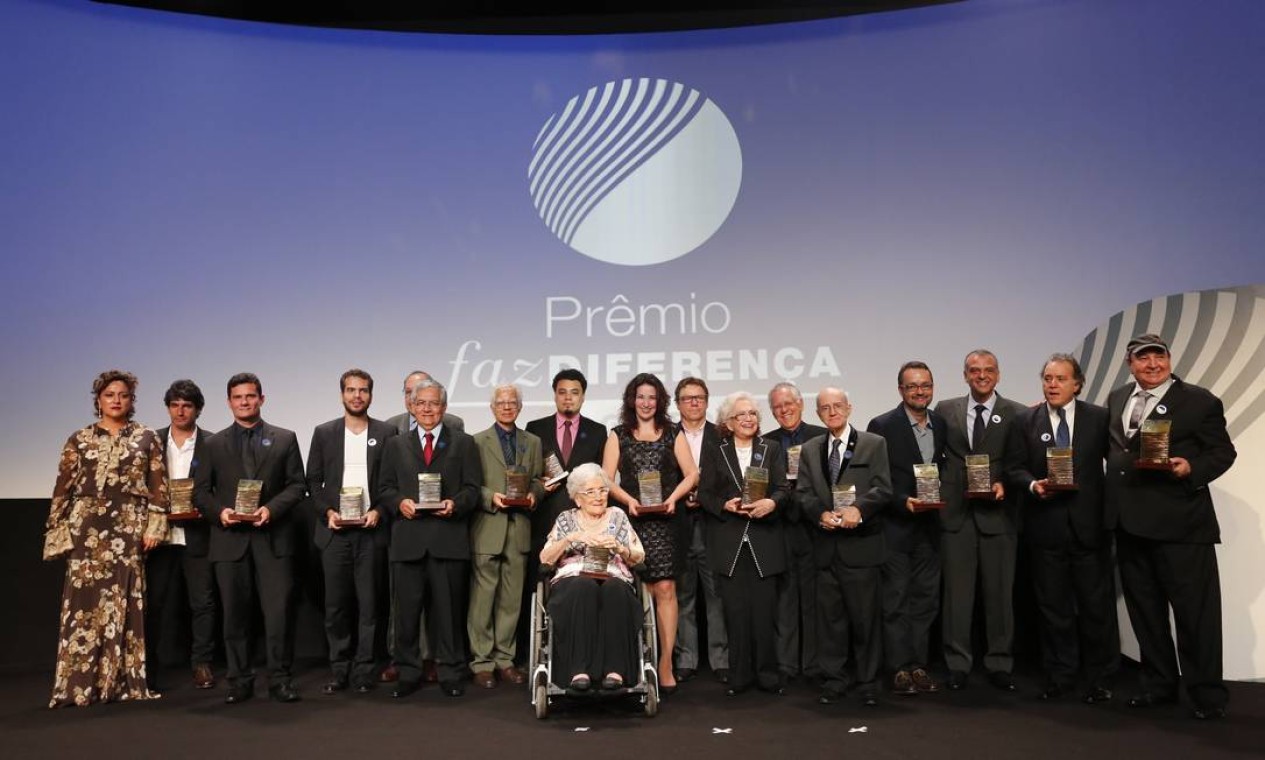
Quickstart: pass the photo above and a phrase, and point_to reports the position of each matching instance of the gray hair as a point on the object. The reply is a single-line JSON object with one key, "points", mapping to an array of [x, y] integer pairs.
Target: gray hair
{"points": [[518, 392], [429, 382], [980, 352], [581, 476], [786, 386], [728, 403], [415, 373]]}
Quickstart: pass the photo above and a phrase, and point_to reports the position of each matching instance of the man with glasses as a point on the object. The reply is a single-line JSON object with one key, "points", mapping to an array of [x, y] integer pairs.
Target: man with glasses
{"points": [[844, 486], [500, 539], [915, 435], [691, 400], [797, 587]]}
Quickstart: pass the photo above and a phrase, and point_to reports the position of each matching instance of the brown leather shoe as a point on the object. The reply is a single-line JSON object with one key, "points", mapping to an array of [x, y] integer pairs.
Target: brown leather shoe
{"points": [[429, 674], [903, 684], [923, 681], [513, 675], [484, 679], [389, 674], [203, 678]]}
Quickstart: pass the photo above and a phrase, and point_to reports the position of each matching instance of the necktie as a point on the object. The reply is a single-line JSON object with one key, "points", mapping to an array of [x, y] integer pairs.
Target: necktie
{"points": [[1139, 406], [567, 441], [428, 451], [1062, 436], [835, 460], [249, 460], [977, 430], [507, 448]]}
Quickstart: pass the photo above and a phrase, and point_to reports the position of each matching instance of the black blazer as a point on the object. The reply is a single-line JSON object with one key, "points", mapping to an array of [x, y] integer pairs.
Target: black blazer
{"points": [[864, 545], [325, 474], [456, 459], [197, 534], [990, 517], [1154, 504], [722, 480], [902, 454], [590, 441], [793, 513], [1066, 515], [280, 467]]}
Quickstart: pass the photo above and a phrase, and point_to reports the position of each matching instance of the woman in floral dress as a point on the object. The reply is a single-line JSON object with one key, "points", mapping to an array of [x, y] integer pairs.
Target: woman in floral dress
{"points": [[109, 506]]}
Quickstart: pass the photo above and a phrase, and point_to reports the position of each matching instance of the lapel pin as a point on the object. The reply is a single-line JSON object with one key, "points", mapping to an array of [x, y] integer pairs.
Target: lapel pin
{"points": [[373, 441], [1045, 437], [1161, 409], [265, 441], [996, 418]]}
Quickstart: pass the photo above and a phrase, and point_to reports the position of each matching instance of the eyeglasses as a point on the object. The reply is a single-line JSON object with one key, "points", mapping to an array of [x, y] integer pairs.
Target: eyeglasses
{"points": [[506, 404], [593, 493], [692, 400], [911, 387], [750, 414], [427, 404]]}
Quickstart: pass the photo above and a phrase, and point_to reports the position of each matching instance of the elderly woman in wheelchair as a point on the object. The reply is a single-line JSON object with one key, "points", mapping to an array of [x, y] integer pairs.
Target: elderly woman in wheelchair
{"points": [[593, 602]]}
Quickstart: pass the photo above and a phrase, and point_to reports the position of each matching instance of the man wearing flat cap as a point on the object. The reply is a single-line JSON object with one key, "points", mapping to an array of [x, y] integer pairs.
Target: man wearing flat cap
{"points": [[1166, 528]]}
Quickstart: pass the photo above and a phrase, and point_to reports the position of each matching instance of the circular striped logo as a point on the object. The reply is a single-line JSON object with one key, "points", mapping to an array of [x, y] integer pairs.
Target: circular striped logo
{"points": [[636, 172]]}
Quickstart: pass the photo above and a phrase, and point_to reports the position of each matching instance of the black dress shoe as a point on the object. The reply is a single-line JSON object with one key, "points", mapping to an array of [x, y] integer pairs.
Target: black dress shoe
{"points": [[1209, 713], [722, 675], [1001, 680], [611, 683], [1097, 695], [828, 697], [334, 686], [734, 691], [405, 688], [363, 687], [239, 692], [580, 684], [452, 688], [283, 692], [957, 680], [1051, 693], [869, 699], [1147, 699], [685, 674], [667, 691]]}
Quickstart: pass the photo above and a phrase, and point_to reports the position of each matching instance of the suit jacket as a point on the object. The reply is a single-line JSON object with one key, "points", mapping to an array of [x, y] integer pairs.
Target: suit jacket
{"points": [[456, 459], [794, 510], [498, 531], [867, 469], [902, 454], [197, 534], [990, 517], [1153, 504], [279, 466], [589, 443], [722, 479], [1067, 515], [325, 474], [403, 423]]}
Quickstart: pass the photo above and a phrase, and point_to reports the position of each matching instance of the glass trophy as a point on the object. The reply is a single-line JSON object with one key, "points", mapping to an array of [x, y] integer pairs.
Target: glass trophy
{"points": [[1060, 475], [927, 487], [650, 486], [351, 507], [979, 478], [517, 487], [181, 491], [843, 497], [1154, 456], [430, 491], [792, 462], [755, 486], [597, 561], [553, 470], [246, 505]]}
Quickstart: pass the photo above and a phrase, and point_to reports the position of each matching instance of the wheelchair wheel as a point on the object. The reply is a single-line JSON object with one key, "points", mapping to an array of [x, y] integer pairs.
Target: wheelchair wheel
{"points": [[652, 693], [541, 700]]}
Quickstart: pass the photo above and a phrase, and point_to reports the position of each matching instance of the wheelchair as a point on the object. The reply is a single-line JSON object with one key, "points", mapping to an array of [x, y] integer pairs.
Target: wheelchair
{"points": [[544, 691]]}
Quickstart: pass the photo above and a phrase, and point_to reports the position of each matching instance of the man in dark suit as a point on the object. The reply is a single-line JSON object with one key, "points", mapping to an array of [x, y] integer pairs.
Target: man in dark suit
{"points": [[691, 397], [253, 558], [181, 560], [430, 543], [797, 587], [1070, 550], [345, 454], [405, 422], [844, 485], [574, 440], [1166, 527], [911, 573], [980, 539]]}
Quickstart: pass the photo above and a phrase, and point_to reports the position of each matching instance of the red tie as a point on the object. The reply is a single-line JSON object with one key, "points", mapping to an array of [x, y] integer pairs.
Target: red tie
{"points": [[566, 441], [428, 451]]}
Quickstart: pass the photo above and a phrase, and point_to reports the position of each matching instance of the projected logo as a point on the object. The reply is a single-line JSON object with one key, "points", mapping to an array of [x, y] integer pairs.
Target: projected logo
{"points": [[636, 172]]}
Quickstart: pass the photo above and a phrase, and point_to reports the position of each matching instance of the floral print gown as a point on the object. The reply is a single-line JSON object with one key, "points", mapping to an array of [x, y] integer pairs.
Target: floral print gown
{"points": [[111, 492]]}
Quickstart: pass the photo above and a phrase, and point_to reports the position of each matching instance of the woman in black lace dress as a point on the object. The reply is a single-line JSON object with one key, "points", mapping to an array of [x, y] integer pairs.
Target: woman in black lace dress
{"points": [[647, 441]]}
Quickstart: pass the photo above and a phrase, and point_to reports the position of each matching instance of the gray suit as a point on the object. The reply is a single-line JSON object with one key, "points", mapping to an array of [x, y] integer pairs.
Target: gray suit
{"points": [[979, 540]]}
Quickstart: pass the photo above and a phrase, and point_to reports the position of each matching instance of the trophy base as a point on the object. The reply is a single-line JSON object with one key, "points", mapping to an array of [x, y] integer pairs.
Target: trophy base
{"points": [[557, 478], [980, 495], [517, 503], [183, 516], [652, 509], [429, 506], [1062, 487], [595, 575], [247, 517], [1153, 464], [927, 506], [359, 522]]}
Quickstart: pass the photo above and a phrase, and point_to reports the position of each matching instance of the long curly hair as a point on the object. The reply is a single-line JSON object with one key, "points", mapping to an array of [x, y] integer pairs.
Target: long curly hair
{"points": [[628, 412]]}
